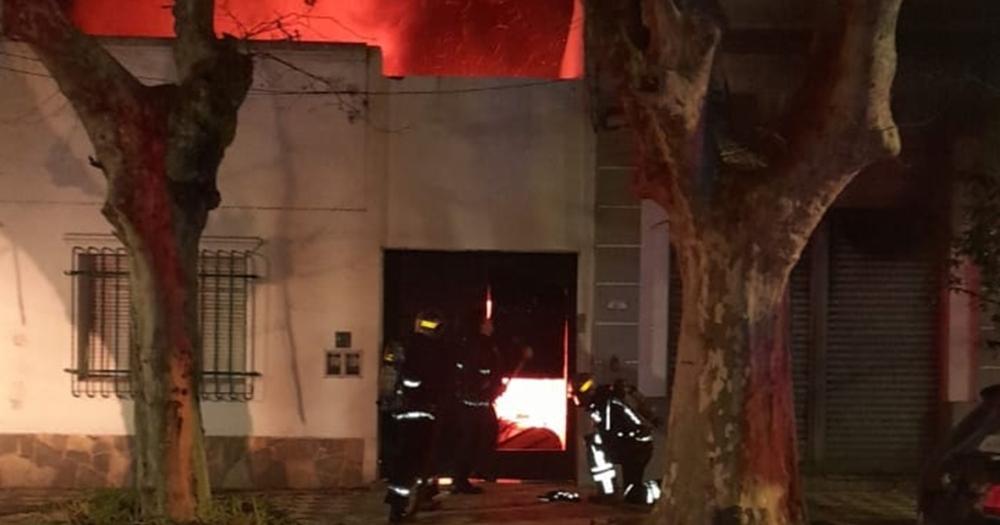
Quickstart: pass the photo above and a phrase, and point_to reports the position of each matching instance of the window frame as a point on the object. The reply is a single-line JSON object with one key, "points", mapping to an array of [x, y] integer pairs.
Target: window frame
{"points": [[102, 280]]}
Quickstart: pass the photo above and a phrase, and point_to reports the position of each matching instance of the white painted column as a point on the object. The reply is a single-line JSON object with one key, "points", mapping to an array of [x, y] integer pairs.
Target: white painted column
{"points": [[654, 290], [962, 340], [960, 328]]}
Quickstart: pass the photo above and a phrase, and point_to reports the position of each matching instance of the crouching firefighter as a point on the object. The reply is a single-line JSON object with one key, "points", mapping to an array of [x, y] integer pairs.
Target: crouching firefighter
{"points": [[413, 413], [623, 435]]}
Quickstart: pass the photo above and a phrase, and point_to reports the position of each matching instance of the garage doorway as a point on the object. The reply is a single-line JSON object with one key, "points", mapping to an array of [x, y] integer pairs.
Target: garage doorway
{"points": [[533, 301]]}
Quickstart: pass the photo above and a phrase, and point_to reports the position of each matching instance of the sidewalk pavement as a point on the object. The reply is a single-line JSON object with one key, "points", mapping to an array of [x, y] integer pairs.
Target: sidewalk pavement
{"points": [[850, 500], [832, 501]]}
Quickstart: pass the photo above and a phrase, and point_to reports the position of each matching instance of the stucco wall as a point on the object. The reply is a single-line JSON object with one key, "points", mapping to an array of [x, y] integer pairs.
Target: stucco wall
{"points": [[295, 178], [505, 176], [324, 191]]}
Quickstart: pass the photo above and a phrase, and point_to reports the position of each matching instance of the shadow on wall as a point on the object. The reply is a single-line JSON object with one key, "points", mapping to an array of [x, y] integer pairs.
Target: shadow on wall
{"points": [[47, 201], [256, 462], [37, 122]]}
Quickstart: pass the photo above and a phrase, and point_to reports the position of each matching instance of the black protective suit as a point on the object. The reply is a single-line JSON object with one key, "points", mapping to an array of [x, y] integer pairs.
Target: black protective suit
{"points": [[622, 436], [479, 381], [413, 412]]}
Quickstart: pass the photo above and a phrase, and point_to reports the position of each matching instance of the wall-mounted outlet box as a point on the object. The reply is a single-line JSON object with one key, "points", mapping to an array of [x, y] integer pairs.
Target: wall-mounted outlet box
{"points": [[343, 363], [334, 363]]}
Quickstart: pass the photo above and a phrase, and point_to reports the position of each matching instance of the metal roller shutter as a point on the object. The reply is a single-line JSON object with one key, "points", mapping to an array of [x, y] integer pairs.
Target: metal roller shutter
{"points": [[799, 342], [673, 323], [881, 374]]}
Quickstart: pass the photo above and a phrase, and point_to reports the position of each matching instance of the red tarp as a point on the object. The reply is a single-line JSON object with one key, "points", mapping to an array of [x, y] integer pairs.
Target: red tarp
{"points": [[528, 38]]}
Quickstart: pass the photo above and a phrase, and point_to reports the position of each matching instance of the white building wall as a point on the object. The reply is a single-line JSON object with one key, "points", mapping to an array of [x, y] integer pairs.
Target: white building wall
{"points": [[503, 169], [505, 176]]}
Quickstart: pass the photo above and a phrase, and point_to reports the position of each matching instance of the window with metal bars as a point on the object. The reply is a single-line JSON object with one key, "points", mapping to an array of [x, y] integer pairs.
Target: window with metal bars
{"points": [[103, 323]]}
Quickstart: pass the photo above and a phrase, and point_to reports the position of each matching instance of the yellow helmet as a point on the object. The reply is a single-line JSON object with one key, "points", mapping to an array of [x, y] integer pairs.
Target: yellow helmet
{"points": [[429, 322], [583, 387]]}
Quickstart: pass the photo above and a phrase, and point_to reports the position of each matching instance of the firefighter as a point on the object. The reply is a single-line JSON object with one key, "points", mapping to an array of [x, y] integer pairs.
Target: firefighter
{"points": [[414, 413], [623, 435], [478, 382], [388, 401]]}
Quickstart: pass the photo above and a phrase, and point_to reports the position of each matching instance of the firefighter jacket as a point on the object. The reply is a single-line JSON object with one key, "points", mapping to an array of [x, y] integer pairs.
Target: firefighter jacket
{"points": [[615, 418], [479, 371], [420, 378]]}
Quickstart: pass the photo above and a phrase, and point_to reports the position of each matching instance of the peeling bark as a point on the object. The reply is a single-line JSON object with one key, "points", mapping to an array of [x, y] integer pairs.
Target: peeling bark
{"points": [[738, 229], [732, 456], [160, 148]]}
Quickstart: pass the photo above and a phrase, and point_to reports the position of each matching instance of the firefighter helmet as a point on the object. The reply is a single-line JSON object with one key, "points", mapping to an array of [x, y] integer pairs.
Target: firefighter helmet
{"points": [[429, 322], [394, 354], [583, 387]]}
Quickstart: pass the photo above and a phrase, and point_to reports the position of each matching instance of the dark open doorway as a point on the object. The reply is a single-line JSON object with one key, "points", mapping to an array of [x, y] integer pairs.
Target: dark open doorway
{"points": [[533, 301]]}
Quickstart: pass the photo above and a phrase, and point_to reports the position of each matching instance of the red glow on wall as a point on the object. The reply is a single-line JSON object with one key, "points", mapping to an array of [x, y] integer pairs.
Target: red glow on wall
{"points": [[527, 38]]}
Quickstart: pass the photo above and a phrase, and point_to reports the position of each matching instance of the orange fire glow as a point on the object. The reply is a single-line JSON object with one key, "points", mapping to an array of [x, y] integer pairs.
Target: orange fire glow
{"points": [[513, 38], [535, 409], [489, 304], [534, 404]]}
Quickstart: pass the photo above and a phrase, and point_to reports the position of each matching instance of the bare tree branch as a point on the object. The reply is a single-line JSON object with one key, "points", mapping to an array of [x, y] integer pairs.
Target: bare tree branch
{"points": [[841, 123], [844, 122], [343, 95]]}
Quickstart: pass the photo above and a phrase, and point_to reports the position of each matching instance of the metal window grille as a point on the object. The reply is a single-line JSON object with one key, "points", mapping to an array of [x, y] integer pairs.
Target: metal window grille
{"points": [[103, 323]]}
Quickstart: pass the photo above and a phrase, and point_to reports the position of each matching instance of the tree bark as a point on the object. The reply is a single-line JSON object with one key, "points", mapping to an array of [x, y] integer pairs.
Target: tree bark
{"points": [[159, 218], [738, 224], [160, 148], [171, 467], [731, 453]]}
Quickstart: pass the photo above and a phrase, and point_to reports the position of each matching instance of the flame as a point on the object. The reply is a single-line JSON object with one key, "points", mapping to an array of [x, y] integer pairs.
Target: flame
{"points": [[489, 303], [535, 403], [538, 403]]}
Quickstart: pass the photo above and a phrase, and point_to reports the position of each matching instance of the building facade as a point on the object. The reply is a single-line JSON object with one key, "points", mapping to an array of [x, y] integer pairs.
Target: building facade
{"points": [[315, 188]]}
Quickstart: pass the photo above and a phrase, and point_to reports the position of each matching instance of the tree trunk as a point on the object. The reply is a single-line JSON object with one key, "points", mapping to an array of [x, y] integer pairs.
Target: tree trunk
{"points": [[160, 148], [731, 458], [162, 232], [741, 208], [171, 468]]}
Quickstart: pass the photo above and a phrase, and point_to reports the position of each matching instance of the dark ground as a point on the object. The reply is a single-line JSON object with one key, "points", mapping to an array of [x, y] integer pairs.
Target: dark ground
{"points": [[832, 501]]}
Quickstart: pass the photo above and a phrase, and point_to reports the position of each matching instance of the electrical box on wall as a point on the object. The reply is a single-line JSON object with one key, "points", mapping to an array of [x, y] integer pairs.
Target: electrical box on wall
{"points": [[343, 363], [342, 360], [334, 363]]}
